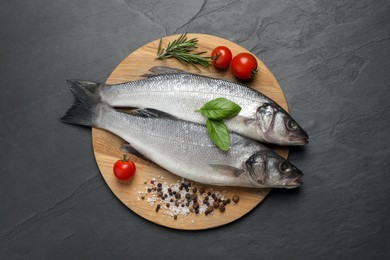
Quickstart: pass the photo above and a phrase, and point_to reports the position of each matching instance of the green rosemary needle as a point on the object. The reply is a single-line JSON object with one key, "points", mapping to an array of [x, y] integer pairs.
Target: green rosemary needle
{"points": [[182, 49]]}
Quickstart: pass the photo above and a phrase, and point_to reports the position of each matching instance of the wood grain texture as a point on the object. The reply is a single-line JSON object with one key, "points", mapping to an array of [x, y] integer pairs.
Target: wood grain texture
{"points": [[107, 151]]}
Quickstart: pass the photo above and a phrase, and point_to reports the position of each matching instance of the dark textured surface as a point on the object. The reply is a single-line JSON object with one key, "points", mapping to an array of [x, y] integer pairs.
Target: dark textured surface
{"points": [[331, 59]]}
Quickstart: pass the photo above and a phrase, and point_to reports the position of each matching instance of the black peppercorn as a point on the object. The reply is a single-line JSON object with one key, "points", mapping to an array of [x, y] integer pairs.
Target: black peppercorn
{"points": [[194, 197]]}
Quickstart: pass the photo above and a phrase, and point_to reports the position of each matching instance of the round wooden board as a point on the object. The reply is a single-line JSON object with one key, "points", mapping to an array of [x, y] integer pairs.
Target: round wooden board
{"points": [[107, 146]]}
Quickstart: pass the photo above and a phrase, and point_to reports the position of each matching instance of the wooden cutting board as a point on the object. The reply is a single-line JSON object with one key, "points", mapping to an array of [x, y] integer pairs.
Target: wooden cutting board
{"points": [[107, 151]]}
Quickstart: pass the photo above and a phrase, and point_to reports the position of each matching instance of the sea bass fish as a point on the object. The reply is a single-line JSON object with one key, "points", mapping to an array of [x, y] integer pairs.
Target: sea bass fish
{"points": [[184, 148], [179, 94]]}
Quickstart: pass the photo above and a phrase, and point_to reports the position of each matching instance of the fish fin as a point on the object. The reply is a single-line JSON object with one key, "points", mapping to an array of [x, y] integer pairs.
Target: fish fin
{"points": [[227, 169], [159, 70], [151, 113], [130, 149], [84, 110], [91, 86]]}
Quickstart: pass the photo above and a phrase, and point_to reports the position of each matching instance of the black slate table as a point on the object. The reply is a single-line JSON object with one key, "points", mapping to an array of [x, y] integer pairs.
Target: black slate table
{"points": [[332, 59]]}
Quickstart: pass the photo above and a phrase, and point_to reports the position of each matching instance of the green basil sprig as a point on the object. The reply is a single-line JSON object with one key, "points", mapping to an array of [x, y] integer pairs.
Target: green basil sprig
{"points": [[216, 111], [218, 133], [219, 109]]}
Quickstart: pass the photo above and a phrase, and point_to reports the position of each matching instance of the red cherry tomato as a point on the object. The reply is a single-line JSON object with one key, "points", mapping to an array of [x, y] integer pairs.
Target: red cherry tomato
{"points": [[221, 57], [124, 169], [244, 66]]}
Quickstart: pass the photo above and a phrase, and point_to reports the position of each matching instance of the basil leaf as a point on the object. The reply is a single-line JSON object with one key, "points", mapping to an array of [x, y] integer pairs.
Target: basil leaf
{"points": [[219, 108], [219, 134]]}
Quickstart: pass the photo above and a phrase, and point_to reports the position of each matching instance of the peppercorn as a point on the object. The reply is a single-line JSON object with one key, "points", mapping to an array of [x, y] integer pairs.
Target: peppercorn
{"points": [[221, 207], [181, 188], [169, 190], [182, 205], [236, 198], [187, 204], [175, 217], [158, 207], [228, 201], [196, 211], [216, 204], [177, 195], [206, 198], [188, 196], [209, 193], [142, 197], [194, 190], [196, 205], [159, 194], [210, 208], [201, 190], [213, 196], [194, 197], [177, 204], [159, 185], [149, 190], [171, 200], [168, 205], [224, 202], [165, 195], [158, 189]]}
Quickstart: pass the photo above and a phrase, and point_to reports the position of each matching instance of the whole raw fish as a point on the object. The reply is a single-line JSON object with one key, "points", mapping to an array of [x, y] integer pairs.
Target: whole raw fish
{"points": [[179, 94]]}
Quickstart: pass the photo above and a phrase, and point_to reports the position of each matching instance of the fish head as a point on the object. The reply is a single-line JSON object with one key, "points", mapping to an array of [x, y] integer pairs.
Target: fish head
{"points": [[267, 169], [279, 127]]}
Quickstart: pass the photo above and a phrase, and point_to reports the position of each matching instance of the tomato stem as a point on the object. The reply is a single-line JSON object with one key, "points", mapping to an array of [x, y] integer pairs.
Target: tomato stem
{"points": [[124, 158]]}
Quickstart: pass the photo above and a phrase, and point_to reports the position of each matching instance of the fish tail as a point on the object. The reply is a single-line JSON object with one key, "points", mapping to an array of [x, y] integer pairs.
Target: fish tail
{"points": [[85, 110]]}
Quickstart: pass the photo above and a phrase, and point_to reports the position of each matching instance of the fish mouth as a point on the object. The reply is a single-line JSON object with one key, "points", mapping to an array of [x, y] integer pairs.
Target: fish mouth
{"points": [[299, 140], [294, 183]]}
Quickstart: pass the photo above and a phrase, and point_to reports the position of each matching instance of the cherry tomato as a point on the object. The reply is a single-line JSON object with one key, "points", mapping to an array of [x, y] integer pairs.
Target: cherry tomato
{"points": [[221, 57], [244, 66], [124, 169]]}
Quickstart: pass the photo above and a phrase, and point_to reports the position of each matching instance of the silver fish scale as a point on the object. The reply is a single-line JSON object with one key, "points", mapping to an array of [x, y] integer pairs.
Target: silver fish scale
{"points": [[175, 91], [181, 147]]}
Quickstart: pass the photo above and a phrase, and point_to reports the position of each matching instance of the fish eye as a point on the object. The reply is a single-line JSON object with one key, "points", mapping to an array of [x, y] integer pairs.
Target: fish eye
{"points": [[291, 125], [283, 166]]}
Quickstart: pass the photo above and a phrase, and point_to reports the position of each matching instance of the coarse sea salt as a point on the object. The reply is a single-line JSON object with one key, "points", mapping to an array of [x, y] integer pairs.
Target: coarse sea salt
{"points": [[173, 201]]}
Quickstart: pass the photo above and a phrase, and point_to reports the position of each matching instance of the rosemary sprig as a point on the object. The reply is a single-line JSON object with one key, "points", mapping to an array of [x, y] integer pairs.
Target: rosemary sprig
{"points": [[181, 49]]}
